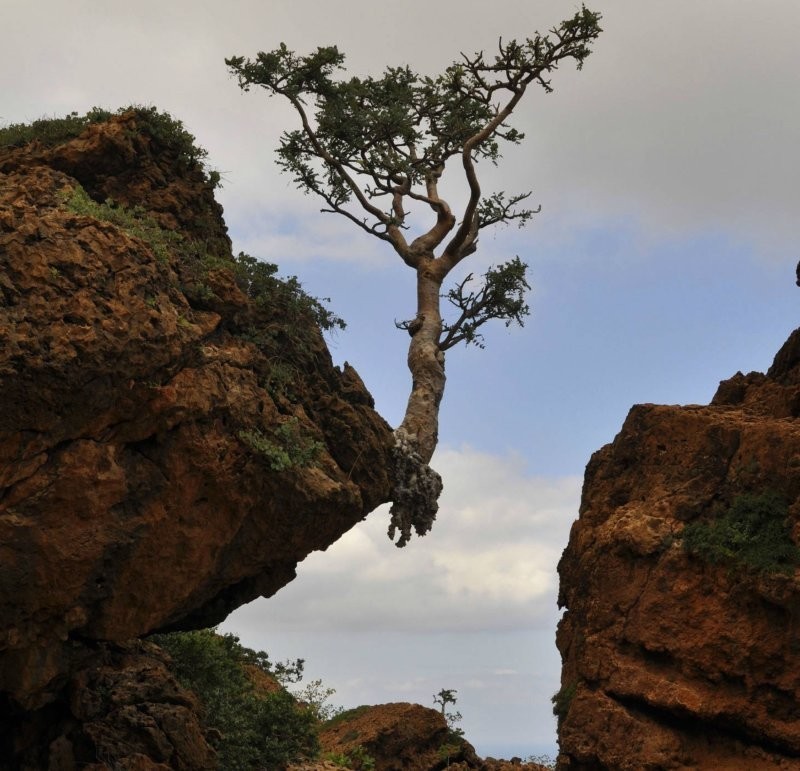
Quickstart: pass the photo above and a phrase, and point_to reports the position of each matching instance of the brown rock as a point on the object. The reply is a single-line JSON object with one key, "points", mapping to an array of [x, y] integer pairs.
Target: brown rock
{"points": [[670, 662], [399, 737], [121, 709], [129, 501], [404, 737]]}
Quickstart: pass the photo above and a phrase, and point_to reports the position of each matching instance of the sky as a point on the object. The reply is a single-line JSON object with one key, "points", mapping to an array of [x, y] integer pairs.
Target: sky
{"points": [[661, 263]]}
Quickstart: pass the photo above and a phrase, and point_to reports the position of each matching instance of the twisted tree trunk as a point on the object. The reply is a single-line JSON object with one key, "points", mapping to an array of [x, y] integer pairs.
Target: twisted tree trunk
{"points": [[417, 486], [426, 362]]}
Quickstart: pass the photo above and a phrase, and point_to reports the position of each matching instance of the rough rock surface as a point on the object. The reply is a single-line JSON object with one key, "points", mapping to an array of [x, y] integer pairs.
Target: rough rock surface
{"points": [[129, 501], [670, 662], [124, 710], [405, 737]]}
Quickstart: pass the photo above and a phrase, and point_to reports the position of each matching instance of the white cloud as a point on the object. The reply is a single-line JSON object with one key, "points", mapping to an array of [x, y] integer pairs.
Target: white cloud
{"points": [[684, 117], [489, 562]]}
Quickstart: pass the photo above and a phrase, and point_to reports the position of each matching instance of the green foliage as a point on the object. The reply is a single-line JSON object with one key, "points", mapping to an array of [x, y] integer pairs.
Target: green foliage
{"points": [[283, 296], [136, 221], [443, 698], [753, 534], [448, 750], [258, 730], [168, 133], [501, 296], [316, 697], [285, 447], [402, 126], [371, 140], [337, 758], [356, 758], [562, 700], [51, 131]]}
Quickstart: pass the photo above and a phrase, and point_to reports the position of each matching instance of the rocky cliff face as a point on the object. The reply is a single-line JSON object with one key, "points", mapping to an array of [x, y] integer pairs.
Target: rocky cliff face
{"points": [[170, 445], [672, 659]]}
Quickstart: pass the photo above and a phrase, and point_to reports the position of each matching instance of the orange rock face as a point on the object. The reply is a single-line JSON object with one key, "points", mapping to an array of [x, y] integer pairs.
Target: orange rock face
{"points": [[404, 737], [129, 500], [395, 736], [670, 661]]}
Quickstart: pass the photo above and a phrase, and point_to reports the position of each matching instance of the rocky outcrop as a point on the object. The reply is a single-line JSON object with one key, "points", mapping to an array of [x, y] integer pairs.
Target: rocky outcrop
{"points": [[397, 736], [170, 447], [672, 660], [404, 737], [120, 708]]}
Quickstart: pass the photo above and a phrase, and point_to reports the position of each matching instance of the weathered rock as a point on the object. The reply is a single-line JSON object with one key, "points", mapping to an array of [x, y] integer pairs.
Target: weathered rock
{"points": [[120, 708], [399, 736], [129, 500], [404, 737], [670, 662]]}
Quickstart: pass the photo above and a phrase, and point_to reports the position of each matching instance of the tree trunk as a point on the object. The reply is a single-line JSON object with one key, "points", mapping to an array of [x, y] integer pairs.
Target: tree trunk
{"points": [[426, 362], [417, 486]]}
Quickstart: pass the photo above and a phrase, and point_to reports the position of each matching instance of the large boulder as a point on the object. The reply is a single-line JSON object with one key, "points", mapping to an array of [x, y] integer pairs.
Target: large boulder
{"points": [[170, 445], [673, 660]]}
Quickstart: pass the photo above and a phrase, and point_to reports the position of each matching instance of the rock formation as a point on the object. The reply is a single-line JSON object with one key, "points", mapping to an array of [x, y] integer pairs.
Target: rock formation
{"points": [[404, 737], [671, 660], [157, 430]]}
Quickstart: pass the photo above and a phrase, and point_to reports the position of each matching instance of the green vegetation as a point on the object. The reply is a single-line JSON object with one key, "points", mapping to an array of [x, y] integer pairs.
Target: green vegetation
{"points": [[357, 759], [753, 534], [382, 152], [284, 299], [316, 697], [168, 133], [285, 447], [455, 734], [443, 698], [258, 730], [562, 700], [284, 296], [134, 221], [51, 131]]}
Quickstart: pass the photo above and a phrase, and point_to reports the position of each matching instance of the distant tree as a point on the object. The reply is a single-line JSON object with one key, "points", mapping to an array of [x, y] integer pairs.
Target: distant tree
{"points": [[371, 148], [443, 698]]}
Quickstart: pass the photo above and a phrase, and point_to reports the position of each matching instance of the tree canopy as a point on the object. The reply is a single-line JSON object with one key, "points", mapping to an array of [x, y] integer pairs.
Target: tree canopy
{"points": [[374, 148]]}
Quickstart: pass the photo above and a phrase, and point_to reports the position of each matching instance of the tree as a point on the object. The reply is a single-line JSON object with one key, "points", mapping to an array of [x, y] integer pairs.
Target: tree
{"points": [[374, 148], [443, 698], [254, 728]]}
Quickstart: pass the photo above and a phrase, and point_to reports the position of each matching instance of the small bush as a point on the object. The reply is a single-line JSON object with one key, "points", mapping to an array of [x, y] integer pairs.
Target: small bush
{"points": [[316, 697], [753, 534], [562, 700], [258, 730], [282, 295], [51, 131], [356, 759], [285, 447]]}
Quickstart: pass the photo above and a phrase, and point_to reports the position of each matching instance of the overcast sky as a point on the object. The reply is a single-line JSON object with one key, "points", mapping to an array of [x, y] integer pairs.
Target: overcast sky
{"points": [[662, 262]]}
